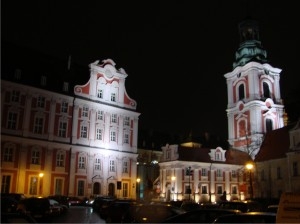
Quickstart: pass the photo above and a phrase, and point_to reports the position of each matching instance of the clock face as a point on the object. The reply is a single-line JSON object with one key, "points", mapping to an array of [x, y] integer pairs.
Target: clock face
{"points": [[108, 73]]}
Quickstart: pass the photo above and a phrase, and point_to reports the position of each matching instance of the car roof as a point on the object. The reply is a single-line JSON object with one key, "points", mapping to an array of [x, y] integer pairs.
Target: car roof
{"points": [[200, 215], [249, 217]]}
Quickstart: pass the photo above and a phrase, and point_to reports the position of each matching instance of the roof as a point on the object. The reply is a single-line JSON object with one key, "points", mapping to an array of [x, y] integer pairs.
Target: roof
{"points": [[275, 145], [202, 155]]}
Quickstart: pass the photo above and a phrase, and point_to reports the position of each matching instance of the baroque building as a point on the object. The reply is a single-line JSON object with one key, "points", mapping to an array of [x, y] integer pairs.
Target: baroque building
{"points": [[81, 142], [257, 135], [254, 104]]}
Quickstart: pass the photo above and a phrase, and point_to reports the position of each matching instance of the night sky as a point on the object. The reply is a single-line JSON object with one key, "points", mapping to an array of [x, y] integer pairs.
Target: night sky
{"points": [[175, 54]]}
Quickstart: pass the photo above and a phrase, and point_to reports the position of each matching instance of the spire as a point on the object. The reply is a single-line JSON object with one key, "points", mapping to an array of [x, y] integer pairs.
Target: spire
{"points": [[250, 48]]}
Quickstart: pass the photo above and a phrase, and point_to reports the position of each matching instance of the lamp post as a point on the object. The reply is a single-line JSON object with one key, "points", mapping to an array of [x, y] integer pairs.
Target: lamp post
{"points": [[138, 187], [41, 183], [249, 166], [173, 178]]}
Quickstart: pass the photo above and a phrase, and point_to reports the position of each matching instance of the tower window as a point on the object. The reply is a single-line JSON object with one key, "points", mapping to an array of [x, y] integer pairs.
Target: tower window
{"points": [[266, 90], [241, 92]]}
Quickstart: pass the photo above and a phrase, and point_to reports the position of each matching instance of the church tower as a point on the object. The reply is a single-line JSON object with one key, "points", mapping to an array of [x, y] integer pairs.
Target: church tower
{"points": [[254, 101]]}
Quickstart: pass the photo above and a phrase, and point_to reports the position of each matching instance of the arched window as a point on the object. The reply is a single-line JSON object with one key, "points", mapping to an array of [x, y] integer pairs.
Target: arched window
{"points": [[269, 125], [266, 89], [241, 92]]}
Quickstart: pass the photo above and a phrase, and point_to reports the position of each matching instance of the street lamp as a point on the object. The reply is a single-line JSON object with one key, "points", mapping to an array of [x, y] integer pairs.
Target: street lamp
{"points": [[249, 166], [138, 187], [41, 183], [173, 178]]}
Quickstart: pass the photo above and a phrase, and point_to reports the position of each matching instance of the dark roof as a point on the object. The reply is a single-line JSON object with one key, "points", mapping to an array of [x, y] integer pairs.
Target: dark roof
{"points": [[34, 64], [202, 155], [275, 145]]}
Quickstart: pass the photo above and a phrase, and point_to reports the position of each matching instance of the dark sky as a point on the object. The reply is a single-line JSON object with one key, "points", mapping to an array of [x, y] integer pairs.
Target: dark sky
{"points": [[174, 52]]}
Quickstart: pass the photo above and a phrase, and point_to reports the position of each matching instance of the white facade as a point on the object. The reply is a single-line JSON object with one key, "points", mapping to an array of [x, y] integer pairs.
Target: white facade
{"points": [[84, 145]]}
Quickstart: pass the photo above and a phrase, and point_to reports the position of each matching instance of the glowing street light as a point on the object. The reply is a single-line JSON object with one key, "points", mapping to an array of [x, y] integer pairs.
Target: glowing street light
{"points": [[41, 183], [249, 166], [138, 180]]}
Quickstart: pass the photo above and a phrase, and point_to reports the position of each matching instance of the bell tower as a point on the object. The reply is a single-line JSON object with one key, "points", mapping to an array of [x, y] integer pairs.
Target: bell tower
{"points": [[254, 101]]}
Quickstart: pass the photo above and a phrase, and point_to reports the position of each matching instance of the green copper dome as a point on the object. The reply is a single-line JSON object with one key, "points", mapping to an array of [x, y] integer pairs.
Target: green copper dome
{"points": [[250, 48]]}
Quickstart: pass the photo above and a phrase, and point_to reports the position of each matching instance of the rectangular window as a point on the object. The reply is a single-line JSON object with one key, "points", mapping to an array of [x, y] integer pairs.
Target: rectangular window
{"points": [[8, 154], [97, 164], [100, 115], [12, 120], [114, 118], [113, 137], [168, 154], [35, 157], [234, 190], [233, 174], [83, 132], [125, 190], [125, 167], [203, 172], [85, 111], [60, 159], [59, 186], [38, 125], [126, 138], [219, 173], [99, 134], [219, 190], [80, 191], [64, 107], [5, 184], [100, 93], [41, 102], [204, 189], [15, 96], [295, 169], [188, 171], [33, 186], [113, 97], [126, 121], [62, 130], [111, 166], [81, 162]]}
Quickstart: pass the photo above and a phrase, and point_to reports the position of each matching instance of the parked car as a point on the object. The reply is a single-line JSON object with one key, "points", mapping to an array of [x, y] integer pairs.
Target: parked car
{"points": [[17, 218], [150, 213], [63, 200], [39, 208], [189, 205], [116, 209], [8, 205], [272, 208], [76, 201], [16, 196], [101, 202], [201, 215], [247, 217], [56, 207], [243, 206]]}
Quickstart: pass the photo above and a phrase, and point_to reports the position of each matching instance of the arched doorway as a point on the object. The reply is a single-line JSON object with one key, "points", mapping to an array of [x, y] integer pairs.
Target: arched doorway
{"points": [[111, 189], [97, 188]]}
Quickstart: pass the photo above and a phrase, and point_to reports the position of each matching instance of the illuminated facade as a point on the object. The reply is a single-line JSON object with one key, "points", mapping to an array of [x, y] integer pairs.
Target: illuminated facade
{"points": [[255, 111], [254, 101], [83, 144]]}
